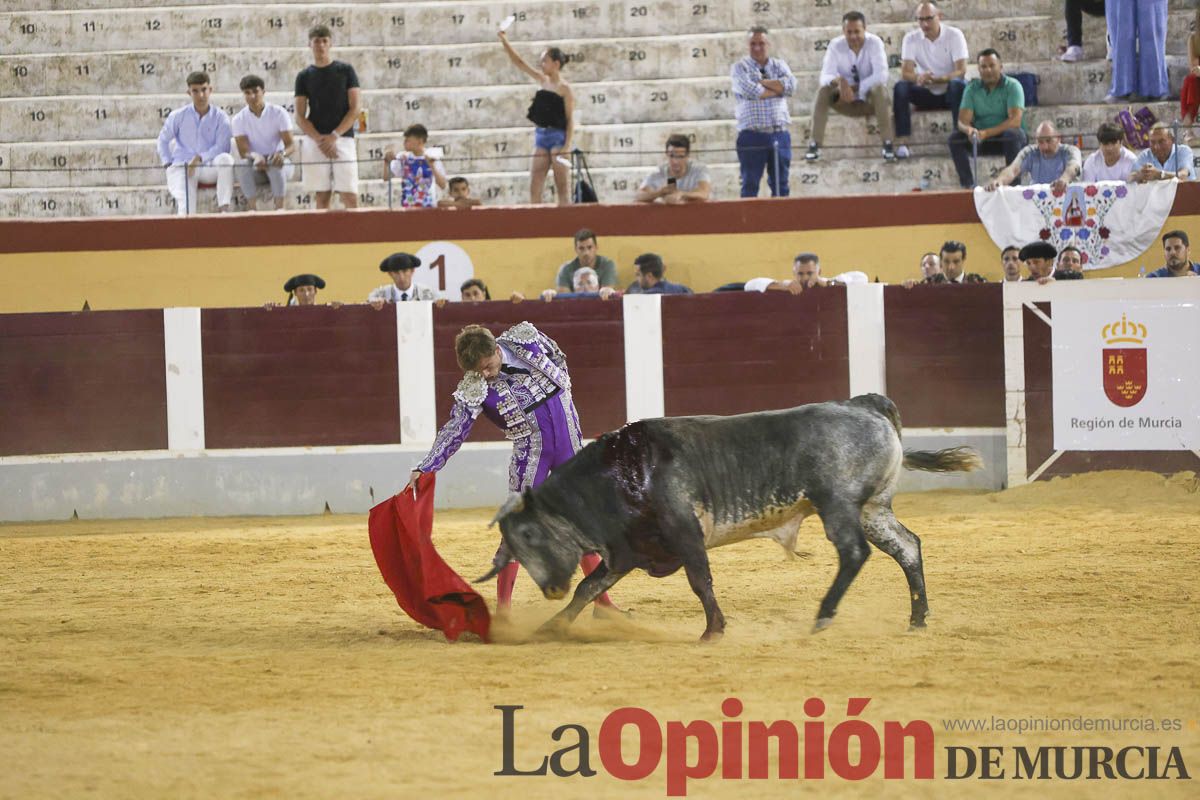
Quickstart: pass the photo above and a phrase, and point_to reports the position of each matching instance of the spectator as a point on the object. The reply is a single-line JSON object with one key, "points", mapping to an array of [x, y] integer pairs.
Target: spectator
{"points": [[263, 132], [194, 146], [991, 111], [1069, 260], [327, 106], [1178, 255], [1039, 258], [460, 195], [1163, 160], [474, 291], [650, 278], [1073, 14], [301, 290], [584, 283], [853, 82], [953, 256], [1112, 161], [400, 268], [420, 173], [761, 86], [1010, 260], [553, 112], [679, 180], [933, 68], [931, 264], [806, 274], [1189, 92], [586, 255], [1138, 31], [1049, 161]]}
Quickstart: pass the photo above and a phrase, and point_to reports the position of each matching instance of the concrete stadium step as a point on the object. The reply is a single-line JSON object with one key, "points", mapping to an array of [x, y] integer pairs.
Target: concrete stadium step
{"points": [[81, 28], [125, 70], [640, 147], [46, 119]]}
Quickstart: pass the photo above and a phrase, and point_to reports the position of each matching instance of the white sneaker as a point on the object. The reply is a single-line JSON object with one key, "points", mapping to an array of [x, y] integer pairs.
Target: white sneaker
{"points": [[1074, 53]]}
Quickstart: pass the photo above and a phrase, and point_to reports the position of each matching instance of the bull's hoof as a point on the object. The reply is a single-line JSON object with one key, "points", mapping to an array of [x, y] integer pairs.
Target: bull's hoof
{"points": [[712, 637], [917, 626], [553, 628], [821, 624], [610, 613]]}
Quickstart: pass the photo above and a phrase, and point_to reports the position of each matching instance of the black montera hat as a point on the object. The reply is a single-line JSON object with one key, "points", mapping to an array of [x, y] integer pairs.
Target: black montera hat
{"points": [[296, 281], [399, 261], [1038, 250]]}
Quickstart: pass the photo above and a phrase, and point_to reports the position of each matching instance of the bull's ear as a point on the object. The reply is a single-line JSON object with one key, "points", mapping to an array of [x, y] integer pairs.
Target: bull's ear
{"points": [[503, 558], [514, 503]]}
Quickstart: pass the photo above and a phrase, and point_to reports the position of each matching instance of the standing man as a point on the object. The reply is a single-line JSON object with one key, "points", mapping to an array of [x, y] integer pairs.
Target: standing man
{"points": [[1178, 254], [854, 83], [519, 381], [680, 180], [263, 132], [1010, 261], [761, 86], [586, 255], [400, 268], [1039, 258], [992, 107], [194, 146], [953, 257], [933, 69], [327, 106], [1049, 161]]}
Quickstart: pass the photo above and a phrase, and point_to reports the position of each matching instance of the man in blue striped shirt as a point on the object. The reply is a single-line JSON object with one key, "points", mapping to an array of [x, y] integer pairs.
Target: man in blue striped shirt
{"points": [[761, 86], [194, 146]]}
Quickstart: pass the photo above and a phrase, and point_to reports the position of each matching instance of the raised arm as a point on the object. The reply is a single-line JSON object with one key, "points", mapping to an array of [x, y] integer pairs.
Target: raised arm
{"points": [[519, 62]]}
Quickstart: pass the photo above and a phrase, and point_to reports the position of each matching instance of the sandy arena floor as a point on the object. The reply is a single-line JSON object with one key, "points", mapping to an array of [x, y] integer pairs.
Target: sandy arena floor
{"points": [[266, 658]]}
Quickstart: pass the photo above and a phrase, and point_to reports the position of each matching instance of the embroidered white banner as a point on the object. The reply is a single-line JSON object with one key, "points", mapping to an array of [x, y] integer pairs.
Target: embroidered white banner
{"points": [[1125, 375], [1110, 223]]}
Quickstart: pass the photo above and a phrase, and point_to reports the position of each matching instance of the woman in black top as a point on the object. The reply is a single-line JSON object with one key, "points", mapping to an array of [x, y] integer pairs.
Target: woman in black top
{"points": [[552, 111]]}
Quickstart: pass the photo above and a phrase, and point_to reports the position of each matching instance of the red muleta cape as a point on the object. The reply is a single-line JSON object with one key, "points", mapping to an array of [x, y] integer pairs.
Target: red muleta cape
{"points": [[425, 586]]}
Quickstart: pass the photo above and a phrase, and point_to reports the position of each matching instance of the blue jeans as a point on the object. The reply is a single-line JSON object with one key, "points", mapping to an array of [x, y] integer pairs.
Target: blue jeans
{"points": [[906, 92], [756, 150], [1009, 142]]}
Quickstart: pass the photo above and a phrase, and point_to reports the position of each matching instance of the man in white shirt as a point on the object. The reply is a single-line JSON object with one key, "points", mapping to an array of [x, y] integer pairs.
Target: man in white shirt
{"points": [[932, 72], [194, 146], [854, 83], [806, 274], [400, 268], [1112, 161], [263, 132]]}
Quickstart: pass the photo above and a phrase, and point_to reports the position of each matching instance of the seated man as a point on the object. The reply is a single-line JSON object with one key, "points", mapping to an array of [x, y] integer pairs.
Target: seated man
{"points": [[1039, 258], [1112, 161], [1163, 160], [263, 132], [1178, 254], [1049, 161], [1010, 260], [585, 283], [400, 268], [460, 195], [853, 82], [953, 256], [933, 68], [650, 278], [680, 180], [586, 255], [194, 146], [421, 173], [806, 274], [992, 107]]}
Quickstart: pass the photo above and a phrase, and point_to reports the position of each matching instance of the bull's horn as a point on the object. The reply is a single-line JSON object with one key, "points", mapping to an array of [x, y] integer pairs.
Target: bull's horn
{"points": [[514, 503], [501, 560], [493, 572]]}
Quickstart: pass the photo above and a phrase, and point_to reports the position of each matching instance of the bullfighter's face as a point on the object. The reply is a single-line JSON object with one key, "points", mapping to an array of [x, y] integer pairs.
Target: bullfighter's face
{"points": [[489, 368], [538, 544]]}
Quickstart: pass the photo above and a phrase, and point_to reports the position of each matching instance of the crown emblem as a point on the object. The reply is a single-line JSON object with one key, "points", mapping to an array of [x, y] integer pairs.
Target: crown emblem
{"points": [[1123, 332]]}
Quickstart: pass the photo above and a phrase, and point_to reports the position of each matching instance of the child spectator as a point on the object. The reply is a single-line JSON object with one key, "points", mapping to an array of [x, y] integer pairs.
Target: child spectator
{"points": [[1112, 161], [419, 172], [460, 195], [327, 105]]}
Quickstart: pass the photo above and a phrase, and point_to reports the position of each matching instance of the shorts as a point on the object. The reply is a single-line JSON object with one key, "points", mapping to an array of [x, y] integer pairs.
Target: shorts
{"points": [[322, 174], [549, 138]]}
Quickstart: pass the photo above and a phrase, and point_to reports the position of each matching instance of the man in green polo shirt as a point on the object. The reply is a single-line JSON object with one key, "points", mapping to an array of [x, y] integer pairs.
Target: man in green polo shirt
{"points": [[586, 256], [991, 111]]}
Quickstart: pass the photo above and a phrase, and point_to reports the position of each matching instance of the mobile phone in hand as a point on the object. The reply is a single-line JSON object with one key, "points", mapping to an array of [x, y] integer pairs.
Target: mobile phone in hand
{"points": [[671, 181]]}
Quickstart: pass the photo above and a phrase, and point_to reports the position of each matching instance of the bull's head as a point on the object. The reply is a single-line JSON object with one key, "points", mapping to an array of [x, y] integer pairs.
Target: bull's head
{"points": [[540, 540]]}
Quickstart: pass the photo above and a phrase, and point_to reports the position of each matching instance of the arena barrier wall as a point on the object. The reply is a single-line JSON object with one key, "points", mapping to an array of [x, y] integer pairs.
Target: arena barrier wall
{"points": [[232, 260], [293, 411]]}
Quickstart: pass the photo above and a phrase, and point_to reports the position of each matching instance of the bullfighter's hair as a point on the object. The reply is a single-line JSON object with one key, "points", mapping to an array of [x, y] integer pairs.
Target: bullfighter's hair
{"points": [[473, 344]]}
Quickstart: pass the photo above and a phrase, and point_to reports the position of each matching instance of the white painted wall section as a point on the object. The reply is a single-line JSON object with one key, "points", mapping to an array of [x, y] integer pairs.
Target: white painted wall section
{"points": [[643, 357], [414, 352], [865, 335], [184, 363]]}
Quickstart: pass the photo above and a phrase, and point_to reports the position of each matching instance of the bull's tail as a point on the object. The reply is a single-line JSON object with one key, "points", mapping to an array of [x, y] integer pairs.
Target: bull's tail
{"points": [[952, 459]]}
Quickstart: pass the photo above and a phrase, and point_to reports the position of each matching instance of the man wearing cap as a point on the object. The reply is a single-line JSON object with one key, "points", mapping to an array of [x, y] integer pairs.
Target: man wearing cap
{"points": [[519, 381], [302, 289], [400, 268], [1039, 258]]}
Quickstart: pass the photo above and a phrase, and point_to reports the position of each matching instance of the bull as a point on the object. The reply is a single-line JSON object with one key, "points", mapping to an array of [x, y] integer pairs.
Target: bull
{"points": [[658, 494]]}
